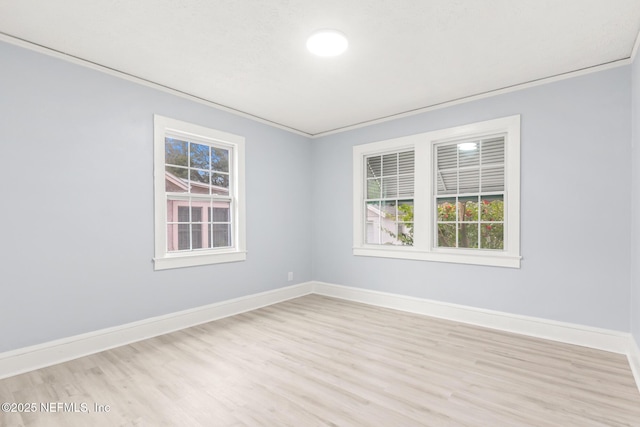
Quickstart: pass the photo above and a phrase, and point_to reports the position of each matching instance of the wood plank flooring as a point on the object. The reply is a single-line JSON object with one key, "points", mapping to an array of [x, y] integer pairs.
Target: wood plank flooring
{"points": [[318, 361]]}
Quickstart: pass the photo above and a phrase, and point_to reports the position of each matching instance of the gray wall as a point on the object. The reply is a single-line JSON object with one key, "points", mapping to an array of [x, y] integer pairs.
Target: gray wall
{"points": [[635, 252], [77, 182], [575, 210], [77, 209]]}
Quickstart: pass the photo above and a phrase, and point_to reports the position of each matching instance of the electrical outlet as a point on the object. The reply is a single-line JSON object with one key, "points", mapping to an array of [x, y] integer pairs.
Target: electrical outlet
{"points": [[290, 276]]}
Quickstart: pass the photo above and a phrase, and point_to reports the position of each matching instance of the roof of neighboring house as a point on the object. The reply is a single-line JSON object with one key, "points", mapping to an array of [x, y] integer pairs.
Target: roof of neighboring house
{"points": [[182, 185]]}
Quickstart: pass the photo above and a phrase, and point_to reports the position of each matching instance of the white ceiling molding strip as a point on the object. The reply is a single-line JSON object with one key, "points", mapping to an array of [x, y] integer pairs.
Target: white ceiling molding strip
{"points": [[514, 88], [79, 61], [113, 72]]}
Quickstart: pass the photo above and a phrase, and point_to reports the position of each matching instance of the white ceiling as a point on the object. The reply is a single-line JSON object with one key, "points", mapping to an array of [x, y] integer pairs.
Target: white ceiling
{"points": [[250, 55]]}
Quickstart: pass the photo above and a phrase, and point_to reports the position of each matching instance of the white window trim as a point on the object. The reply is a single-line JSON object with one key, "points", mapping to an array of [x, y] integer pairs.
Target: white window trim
{"points": [[165, 260], [424, 248]]}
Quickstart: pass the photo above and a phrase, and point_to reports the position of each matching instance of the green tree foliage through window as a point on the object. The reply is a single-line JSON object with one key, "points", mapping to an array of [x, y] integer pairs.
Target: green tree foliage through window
{"points": [[459, 222], [197, 162], [405, 232]]}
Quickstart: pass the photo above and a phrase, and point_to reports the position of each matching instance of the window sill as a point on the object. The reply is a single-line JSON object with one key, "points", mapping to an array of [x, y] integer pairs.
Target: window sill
{"points": [[489, 258], [191, 259]]}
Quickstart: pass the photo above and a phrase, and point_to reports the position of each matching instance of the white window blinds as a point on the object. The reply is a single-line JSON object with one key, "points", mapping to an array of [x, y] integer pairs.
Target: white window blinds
{"points": [[389, 198], [470, 167], [390, 176], [470, 185]]}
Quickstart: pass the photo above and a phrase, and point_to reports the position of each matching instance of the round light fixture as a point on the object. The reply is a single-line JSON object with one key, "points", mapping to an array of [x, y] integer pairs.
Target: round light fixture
{"points": [[327, 43]]}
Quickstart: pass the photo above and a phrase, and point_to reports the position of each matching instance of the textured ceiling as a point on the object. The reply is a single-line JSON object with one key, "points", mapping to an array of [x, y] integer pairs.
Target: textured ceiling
{"points": [[404, 55]]}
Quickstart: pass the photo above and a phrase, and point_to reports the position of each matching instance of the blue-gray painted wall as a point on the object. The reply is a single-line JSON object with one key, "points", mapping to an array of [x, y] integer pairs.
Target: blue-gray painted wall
{"points": [[77, 210], [77, 203], [575, 210], [635, 210]]}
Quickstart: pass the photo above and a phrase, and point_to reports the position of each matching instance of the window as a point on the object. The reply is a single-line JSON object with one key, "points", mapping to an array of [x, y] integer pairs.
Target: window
{"points": [[389, 198], [189, 227], [451, 195], [199, 195], [469, 193]]}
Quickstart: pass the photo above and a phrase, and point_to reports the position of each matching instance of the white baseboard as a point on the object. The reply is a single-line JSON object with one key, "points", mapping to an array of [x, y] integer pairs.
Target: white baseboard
{"points": [[634, 360], [50, 353], [602, 339], [586, 336]]}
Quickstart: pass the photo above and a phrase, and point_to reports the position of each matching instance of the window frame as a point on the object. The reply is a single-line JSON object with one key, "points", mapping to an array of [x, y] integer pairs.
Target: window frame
{"points": [[164, 259], [402, 178], [424, 247]]}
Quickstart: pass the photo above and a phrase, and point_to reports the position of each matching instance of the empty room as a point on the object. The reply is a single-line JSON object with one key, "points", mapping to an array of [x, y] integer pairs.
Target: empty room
{"points": [[307, 213]]}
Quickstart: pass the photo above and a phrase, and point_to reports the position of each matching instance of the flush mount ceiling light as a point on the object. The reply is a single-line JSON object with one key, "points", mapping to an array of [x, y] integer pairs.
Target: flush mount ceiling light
{"points": [[327, 43]]}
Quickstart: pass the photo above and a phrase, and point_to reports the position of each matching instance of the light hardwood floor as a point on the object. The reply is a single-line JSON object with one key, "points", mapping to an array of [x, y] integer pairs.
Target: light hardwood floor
{"points": [[318, 361]]}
